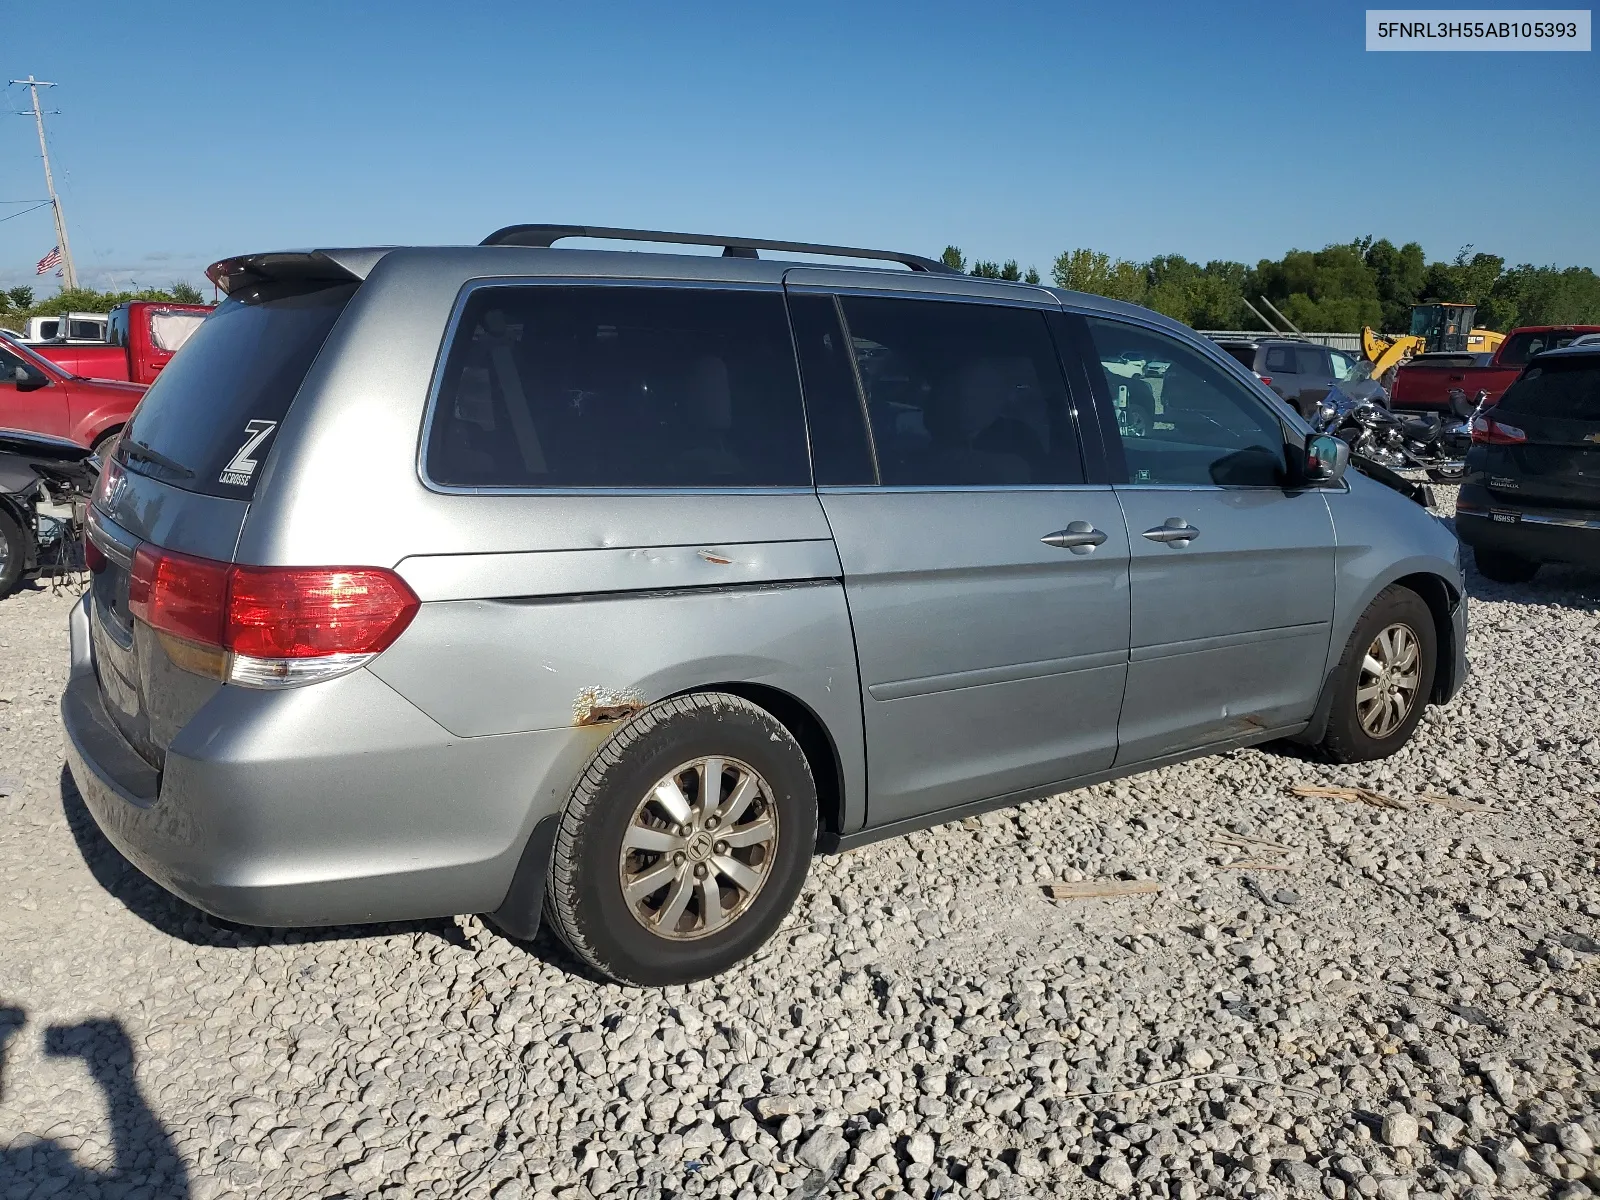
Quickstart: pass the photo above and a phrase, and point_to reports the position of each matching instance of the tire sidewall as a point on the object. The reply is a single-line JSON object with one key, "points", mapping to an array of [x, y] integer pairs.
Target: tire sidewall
{"points": [[589, 908], [1396, 605], [17, 560]]}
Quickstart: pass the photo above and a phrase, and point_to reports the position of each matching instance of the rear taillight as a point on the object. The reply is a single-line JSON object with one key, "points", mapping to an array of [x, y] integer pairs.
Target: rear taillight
{"points": [[94, 559], [1486, 431], [269, 626], [1266, 379]]}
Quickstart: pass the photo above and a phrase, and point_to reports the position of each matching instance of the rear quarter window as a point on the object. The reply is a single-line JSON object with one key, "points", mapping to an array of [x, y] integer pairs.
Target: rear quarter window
{"points": [[209, 419], [619, 387]]}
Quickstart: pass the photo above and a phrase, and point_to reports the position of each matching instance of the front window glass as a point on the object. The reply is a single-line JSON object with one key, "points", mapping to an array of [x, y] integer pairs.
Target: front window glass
{"points": [[1196, 424], [1344, 366]]}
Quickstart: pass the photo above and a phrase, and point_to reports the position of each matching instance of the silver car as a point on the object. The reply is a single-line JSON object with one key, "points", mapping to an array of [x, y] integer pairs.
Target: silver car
{"points": [[604, 588]]}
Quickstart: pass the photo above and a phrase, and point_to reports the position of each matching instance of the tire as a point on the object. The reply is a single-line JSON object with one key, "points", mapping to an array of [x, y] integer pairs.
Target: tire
{"points": [[1356, 733], [13, 553], [1503, 567], [628, 938], [105, 441], [1136, 420], [1447, 474]]}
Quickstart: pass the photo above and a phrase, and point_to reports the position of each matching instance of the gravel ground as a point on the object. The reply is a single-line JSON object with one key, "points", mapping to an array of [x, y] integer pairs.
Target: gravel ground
{"points": [[1323, 998]]}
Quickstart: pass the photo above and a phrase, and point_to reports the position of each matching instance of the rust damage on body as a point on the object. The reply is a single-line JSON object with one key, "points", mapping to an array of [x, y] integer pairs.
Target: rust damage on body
{"points": [[599, 705]]}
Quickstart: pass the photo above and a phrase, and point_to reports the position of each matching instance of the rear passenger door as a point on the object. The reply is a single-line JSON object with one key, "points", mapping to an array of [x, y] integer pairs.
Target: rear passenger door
{"points": [[1316, 376], [985, 570], [1232, 569]]}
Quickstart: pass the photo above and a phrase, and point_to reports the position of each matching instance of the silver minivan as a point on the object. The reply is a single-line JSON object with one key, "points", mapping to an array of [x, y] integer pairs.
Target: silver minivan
{"points": [[604, 588]]}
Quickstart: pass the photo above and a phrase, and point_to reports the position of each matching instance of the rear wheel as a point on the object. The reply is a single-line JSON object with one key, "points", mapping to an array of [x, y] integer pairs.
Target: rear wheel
{"points": [[685, 842], [1502, 567], [1447, 474], [103, 443], [1384, 678]]}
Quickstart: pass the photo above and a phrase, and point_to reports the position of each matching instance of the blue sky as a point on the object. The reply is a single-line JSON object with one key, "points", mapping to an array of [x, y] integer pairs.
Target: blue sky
{"points": [[188, 132]]}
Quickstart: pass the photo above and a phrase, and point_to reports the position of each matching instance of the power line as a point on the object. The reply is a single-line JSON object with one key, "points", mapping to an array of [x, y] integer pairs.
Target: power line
{"points": [[26, 211]]}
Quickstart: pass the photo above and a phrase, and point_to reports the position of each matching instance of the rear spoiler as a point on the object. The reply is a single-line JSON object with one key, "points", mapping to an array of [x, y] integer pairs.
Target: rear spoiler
{"points": [[282, 266]]}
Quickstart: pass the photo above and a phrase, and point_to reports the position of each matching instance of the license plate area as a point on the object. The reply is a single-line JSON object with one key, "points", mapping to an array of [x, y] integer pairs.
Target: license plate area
{"points": [[1505, 518]]}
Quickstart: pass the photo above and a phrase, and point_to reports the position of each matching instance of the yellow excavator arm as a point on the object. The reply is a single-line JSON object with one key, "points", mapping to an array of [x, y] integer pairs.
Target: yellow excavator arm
{"points": [[1386, 353]]}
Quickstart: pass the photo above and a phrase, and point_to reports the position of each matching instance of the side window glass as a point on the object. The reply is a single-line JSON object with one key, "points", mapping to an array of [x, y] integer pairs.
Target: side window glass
{"points": [[841, 453], [1280, 360], [1343, 366], [1311, 360], [962, 395], [565, 387], [1202, 426]]}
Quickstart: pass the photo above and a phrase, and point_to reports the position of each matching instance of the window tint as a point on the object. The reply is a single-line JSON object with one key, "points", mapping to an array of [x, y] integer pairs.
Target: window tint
{"points": [[1280, 360], [1196, 424], [840, 451], [1310, 360], [117, 327], [85, 329], [1558, 387], [1245, 354], [208, 420], [962, 395], [619, 387]]}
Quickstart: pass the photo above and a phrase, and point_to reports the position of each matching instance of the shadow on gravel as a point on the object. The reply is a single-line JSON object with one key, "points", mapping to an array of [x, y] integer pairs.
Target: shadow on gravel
{"points": [[1554, 585], [176, 918], [144, 1155]]}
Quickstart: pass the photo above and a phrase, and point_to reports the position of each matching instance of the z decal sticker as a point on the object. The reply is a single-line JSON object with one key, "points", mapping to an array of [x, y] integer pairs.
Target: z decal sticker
{"points": [[241, 469]]}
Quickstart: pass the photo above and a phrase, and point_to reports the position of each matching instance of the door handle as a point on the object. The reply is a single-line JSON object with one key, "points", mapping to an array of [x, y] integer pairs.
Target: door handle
{"points": [[1080, 537], [1174, 531]]}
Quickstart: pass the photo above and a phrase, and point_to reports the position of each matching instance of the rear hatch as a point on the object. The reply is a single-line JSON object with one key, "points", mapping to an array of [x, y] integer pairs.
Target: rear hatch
{"points": [[1544, 436], [181, 478]]}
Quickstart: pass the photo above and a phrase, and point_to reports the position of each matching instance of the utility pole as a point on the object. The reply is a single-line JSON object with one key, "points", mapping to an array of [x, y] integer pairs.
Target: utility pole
{"points": [[68, 272]]}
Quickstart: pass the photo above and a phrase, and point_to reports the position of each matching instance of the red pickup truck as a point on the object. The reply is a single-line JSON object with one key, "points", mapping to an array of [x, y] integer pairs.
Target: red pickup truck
{"points": [[1425, 382], [141, 337], [38, 396]]}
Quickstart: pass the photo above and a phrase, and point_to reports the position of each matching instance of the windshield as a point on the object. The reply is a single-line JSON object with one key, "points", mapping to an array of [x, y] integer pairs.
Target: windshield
{"points": [[208, 421], [1520, 347], [1568, 388]]}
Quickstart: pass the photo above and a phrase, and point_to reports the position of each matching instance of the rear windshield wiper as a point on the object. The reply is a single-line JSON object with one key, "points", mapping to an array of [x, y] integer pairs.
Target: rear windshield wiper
{"points": [[140, 451]]}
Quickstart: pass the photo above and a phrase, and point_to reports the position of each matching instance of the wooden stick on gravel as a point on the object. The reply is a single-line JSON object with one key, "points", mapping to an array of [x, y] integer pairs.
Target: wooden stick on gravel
{"points": [[1090, 889], [1361, 794]]}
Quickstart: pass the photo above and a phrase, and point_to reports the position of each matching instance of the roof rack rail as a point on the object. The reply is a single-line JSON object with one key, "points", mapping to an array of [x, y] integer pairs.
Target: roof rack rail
{"points": [[544, 236]]}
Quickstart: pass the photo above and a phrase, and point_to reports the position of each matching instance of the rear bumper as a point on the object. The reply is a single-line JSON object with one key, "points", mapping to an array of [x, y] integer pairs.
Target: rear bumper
{"points": [[333, 804], [1537, 535]]}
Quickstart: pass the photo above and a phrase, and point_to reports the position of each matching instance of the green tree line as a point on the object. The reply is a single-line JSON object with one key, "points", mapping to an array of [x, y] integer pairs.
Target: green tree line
{"points": [[18, 304], [1337, 289]]}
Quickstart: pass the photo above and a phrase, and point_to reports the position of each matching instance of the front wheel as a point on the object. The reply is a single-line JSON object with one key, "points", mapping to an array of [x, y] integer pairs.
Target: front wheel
{"points": [[685, 842], [1383, 679], [13, 553], [1502, 567]]}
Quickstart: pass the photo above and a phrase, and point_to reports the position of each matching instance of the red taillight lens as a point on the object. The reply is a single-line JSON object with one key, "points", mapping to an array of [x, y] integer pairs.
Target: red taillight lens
{"points": [[1266, 379], [94, 560], [1486, 431], [307, 612], [270, 612], [179, 594]]}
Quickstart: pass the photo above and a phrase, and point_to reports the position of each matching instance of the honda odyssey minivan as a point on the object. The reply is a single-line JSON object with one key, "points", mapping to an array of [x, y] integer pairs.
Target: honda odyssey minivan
{"points": [[603, 588]]}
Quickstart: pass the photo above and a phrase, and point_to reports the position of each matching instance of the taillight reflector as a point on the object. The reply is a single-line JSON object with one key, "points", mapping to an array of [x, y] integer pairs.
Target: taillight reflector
{"points": [[307, 612], [1486, 431], [270, 612]]}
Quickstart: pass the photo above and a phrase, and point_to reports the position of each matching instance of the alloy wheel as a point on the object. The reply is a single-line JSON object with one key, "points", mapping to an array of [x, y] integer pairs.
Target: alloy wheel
{"points": [[1391, 673], [699, 848]]}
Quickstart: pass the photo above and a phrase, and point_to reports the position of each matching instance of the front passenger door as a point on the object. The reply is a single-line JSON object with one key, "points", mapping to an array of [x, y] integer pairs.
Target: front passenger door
{"points": [[35, 409], [1231, 569]]}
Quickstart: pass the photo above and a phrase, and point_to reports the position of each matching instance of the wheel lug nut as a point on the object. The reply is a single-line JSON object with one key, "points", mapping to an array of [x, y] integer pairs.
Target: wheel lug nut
{"points": [[711, 822], [700, 871], [722, 847], [680, 858]]}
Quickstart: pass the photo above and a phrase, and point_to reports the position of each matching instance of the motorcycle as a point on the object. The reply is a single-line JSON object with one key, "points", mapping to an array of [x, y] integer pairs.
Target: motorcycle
{"points": [[45, 485], [1437, 445]]}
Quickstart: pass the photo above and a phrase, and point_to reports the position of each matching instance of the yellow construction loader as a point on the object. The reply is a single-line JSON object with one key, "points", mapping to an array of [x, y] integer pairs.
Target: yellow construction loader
{"points": [[1435, 328]]}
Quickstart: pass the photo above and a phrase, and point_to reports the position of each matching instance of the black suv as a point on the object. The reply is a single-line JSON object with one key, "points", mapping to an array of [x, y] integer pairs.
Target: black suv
{"points": [[1531, 494], [1302, 372]]}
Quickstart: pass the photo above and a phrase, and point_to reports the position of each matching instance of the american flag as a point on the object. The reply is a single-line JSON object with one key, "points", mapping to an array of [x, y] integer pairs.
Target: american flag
{"points": [[50, 261]]}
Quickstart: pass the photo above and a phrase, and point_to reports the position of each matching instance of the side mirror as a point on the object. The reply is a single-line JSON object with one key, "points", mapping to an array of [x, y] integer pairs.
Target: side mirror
{"points": [[28, 380], [1326, 458]]}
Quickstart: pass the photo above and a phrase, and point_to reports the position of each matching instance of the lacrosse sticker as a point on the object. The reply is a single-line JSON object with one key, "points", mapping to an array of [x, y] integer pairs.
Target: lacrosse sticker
{"points": [[241, 469]]}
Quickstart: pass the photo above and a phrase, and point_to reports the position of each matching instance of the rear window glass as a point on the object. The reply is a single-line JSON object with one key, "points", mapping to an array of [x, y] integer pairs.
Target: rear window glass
{"points": [[1560, 387], [1245, 354], [1520, 347], [620, 386], [208, 421]]}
